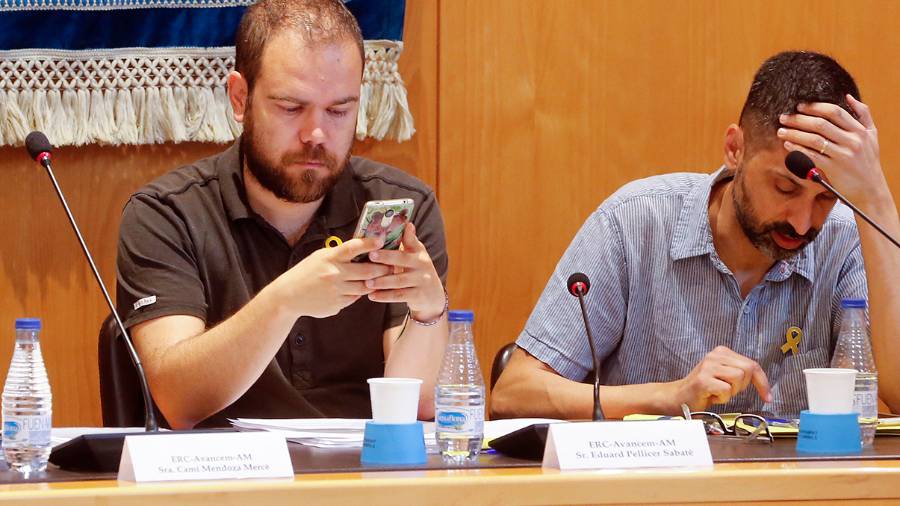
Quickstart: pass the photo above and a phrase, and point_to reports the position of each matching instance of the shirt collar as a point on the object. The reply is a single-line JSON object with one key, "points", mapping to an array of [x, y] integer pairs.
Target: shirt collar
{"points": [[341, 205], [803, 263], [693, 236]]}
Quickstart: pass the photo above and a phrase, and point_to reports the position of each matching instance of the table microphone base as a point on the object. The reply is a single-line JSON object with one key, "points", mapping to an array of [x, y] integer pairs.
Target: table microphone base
{"points": [[101, 452], [525, 443]]}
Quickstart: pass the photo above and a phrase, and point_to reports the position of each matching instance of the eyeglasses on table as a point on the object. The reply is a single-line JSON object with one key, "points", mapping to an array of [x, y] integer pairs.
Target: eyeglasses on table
{"points": [[747, 427]]}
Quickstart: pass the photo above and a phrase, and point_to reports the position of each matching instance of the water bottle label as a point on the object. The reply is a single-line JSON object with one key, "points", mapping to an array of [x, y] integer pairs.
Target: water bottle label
{"points": [[460, 420], [866, 404], [27, 429]]}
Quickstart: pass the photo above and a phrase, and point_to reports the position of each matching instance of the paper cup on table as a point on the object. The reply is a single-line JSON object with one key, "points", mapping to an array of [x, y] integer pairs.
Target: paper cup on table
{"points": [[830, 391], [394, 400]]}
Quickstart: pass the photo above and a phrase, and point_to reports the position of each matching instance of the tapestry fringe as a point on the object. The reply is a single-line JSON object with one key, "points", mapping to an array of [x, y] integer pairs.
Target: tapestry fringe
{"points": [[103, 5], [138, 116], [148, 99], [383, 107]]}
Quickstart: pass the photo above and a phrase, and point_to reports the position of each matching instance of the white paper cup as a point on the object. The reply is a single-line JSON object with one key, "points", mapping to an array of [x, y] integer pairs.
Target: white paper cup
{"points": [[394, 400], [830, 391]]}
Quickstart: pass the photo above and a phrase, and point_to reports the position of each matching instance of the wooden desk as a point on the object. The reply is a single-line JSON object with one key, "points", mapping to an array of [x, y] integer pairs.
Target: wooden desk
{"points": [[822, 482]]}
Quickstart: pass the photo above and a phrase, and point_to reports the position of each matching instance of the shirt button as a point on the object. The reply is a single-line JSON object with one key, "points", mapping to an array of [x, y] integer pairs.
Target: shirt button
{"points": [[299, 340]]}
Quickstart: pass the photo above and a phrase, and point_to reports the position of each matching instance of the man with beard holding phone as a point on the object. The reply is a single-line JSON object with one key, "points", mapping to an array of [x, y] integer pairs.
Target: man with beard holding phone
{"points": [[235, 306], [717, 290]]}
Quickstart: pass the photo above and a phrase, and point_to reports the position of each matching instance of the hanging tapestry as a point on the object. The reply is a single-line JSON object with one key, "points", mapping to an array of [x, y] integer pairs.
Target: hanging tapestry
{"points": [[152, 71]]}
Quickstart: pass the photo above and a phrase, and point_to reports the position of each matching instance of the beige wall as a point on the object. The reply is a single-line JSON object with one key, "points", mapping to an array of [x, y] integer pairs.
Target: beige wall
{"points": [[529, 113]]}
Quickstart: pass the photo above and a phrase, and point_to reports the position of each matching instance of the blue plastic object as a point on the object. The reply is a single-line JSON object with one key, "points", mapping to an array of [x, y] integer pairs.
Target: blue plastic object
{"points": [[854, 303], [829, 433], [28, 324], [461, 315], [394, 444]]}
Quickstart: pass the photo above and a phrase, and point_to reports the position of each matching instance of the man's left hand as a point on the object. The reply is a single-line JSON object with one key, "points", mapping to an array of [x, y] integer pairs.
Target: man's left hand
{"points": [[843, 147], [414, 280]]}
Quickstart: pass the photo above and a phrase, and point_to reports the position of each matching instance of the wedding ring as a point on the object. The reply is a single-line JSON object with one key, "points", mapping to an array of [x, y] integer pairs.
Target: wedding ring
{"points": [[824, 147]]}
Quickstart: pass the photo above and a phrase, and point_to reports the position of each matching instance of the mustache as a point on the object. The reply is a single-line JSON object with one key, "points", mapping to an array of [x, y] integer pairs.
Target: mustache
{"points": [[309, 153], [787, 230]]}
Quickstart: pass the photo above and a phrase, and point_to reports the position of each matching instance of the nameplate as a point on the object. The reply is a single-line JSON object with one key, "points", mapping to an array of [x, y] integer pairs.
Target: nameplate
{"points": [[205, 456], [627, 445]]}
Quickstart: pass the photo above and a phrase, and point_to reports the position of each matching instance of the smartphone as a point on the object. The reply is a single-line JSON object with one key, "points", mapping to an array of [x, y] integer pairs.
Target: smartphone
{"points": [[384, 218]]}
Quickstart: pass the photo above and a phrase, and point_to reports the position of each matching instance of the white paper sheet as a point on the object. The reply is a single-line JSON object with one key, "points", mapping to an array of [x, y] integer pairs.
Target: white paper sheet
{"points": [[348, 432], [322, 432], [59, 435]]}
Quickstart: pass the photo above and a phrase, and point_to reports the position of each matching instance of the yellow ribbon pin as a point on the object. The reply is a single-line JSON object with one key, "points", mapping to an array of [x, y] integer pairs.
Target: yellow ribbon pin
{"points": [[333, 242], [792, 338]]}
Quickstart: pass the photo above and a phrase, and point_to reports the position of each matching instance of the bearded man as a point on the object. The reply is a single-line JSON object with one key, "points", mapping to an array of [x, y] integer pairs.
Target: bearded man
{"points": [[706, 284], [236, 307]]}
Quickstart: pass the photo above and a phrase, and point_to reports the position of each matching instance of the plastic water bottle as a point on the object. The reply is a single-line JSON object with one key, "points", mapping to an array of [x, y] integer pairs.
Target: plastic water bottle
{"points": [[27, 403], [459, 394], [854, 351]]}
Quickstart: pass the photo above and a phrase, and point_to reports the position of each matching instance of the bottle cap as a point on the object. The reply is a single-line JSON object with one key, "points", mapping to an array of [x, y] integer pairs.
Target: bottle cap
{"points": [[28, 324], [853, 303], [461, 315]]}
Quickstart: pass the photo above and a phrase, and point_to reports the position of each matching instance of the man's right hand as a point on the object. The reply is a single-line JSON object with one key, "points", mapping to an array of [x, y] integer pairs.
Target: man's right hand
{"points": [[721, 375], [327, 280]]}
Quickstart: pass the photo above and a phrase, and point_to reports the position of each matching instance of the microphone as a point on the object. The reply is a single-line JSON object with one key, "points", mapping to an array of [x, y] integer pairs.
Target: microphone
{"points": [[91, 451], [803, 167], [529, 441], [39, 147], [579, 284]]}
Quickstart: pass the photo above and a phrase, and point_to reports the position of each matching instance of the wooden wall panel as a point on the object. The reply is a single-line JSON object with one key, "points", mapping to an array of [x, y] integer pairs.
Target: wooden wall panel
{"points": [[548, 106], [42, 272], [419, 69], [529, 113]]}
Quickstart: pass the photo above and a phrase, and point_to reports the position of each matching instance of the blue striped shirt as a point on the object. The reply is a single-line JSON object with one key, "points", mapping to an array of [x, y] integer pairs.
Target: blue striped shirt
{"points": [[661, 298]]}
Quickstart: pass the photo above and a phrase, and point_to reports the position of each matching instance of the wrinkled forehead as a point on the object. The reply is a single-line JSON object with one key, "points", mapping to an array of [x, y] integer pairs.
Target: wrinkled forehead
{"points": [[768, 160]]}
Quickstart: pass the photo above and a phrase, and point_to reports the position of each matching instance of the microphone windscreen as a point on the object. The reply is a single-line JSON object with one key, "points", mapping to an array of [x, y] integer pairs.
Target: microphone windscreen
{"points": [[37, 143], [575, 278], [799, 164]]}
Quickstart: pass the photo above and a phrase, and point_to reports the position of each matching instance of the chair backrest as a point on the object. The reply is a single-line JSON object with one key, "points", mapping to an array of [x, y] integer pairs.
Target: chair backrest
{"points": [[500, 360], [120, 393]]}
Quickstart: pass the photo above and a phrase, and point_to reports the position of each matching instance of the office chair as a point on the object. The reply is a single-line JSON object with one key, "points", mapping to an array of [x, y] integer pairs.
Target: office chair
{"points": [[120, 392], [500, 360]]}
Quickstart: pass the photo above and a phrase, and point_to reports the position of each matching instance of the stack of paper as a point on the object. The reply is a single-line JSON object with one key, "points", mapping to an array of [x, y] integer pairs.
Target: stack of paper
{"points": [[348, 432], [321, 432]]}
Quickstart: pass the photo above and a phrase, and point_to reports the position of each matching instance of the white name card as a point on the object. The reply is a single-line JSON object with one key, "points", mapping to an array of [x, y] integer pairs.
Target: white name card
{"points": [[625, 445], [205, 456]]}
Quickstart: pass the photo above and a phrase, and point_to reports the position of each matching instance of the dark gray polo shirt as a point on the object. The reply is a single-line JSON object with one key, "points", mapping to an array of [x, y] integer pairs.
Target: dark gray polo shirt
{"points": [[191, 245]]}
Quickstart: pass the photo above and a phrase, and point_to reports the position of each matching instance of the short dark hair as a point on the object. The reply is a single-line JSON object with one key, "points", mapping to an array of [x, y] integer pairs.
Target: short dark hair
{"points": [[786, 80], [315, 21]]}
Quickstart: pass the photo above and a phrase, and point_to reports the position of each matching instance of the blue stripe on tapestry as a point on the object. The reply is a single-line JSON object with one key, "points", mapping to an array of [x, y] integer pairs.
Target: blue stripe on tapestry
{"points": [[379, 19], [68, 29], [75, 30], [114, 4]]}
